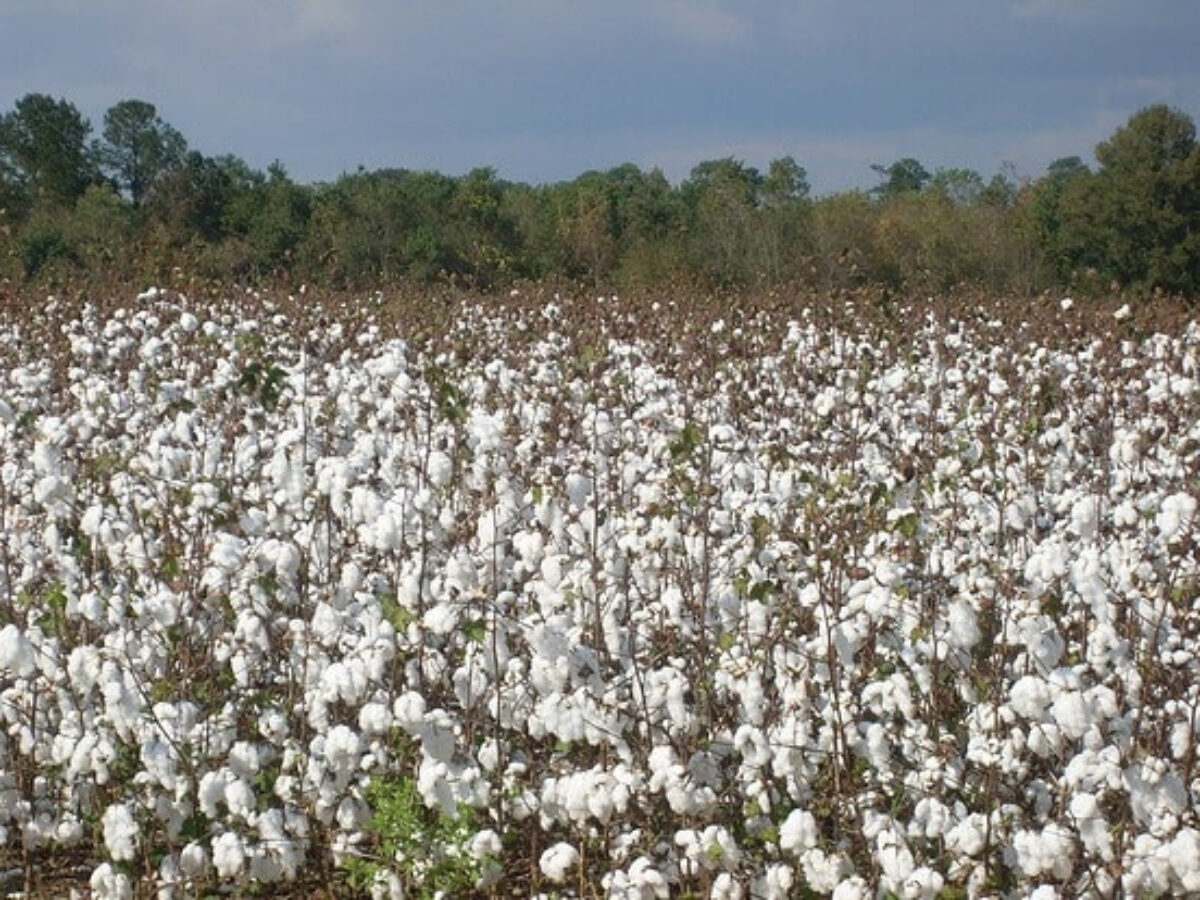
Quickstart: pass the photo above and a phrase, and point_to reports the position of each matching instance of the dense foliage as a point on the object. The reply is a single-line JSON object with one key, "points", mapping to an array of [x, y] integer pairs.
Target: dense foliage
{"points": [[137, 201], [639, 600]]}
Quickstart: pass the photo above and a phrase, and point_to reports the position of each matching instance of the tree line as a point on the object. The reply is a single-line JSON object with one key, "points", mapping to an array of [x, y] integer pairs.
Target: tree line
{"points": [[136, 202]]}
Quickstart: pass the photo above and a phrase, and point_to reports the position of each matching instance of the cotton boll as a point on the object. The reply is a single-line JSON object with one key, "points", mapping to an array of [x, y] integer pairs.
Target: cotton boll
{"points": [[557, 861], [798, 832], [923, 884], [823, 872], [1183, 852], [439, 469], [969, 836], [1092, 827], [120, 832], [228, 855], [108, 884], [374, 718], [963, 625], [239, 797], [1050, 851], [579, 489], [1176, 515], [211, 791], [343, 751], [16, 652]]}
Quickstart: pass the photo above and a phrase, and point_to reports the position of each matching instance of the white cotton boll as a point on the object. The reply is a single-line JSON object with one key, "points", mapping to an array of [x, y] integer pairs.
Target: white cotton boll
{"points": [[579, 489], [923, 884], [239, 797], [1044, 892], [725, 888], [287, 562], [409, 711], [211, 791], [437, 735], [1072, 713], [273, 725], [1175, 515], [1029, 696], [551, 571], [439, 469], [441, 618], [16, 653], [343, 750], [351, 814], [108, 884], [969, 836], [1184, 855], [1092, 826], [1049, 851], [1084, 517], [798, 832], [159, 763], [895, 859], [193, 860], [823, 872], [964, 626], [120, 832], [557, 861], [228, 855], [374, 718]]}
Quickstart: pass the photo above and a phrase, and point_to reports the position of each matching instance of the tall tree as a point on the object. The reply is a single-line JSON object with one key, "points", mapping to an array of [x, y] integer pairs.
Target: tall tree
{"points": [[43, 145], [904, 176], [138, 147], [1138, 219]]}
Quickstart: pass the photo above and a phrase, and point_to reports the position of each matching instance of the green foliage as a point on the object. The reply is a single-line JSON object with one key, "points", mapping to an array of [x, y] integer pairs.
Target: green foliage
{"points": [[41, 245], [426, 849], [1133, 224], [43, 147], [904, 176], [138, 147], [263, 380]]}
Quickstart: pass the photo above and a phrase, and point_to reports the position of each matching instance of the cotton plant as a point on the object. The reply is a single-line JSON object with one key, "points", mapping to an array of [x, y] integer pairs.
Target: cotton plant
{"points": [[749, 606]]}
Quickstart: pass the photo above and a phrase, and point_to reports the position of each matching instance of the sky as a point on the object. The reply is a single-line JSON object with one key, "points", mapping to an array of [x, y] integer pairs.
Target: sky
{"points": [[543, 90]]}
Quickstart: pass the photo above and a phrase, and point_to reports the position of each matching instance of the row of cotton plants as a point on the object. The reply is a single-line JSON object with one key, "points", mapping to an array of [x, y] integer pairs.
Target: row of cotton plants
{"points": [[597, 599]]}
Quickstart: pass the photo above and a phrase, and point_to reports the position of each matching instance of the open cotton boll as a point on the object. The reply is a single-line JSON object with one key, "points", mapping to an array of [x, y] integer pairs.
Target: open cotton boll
{"points": [[1050, 851], [16, 652], [963, 625], [1093, 828], [108, 884], [557, 861], [1176, 515], [120, 832], [228, 855], [798, 832]]}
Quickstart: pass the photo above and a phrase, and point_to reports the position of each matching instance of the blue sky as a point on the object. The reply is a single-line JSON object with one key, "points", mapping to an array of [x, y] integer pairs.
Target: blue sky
{"points": [[546, 89]]}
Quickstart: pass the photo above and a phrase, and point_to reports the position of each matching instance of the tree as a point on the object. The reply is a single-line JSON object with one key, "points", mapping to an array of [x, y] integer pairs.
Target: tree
{"points": [[43, 148], [1137, 221], [721, 198], [961, 187], [1065, 186], [785, 220], [194, 199], [904, 176], [786, 183], [139, 147]]}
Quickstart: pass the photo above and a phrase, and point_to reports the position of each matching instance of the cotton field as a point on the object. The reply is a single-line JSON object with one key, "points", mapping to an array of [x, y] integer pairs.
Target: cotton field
{"points": [[597, 598]]}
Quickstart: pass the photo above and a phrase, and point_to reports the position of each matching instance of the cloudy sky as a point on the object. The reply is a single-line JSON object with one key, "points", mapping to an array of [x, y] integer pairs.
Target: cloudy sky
{"points": [[546, 89]]}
